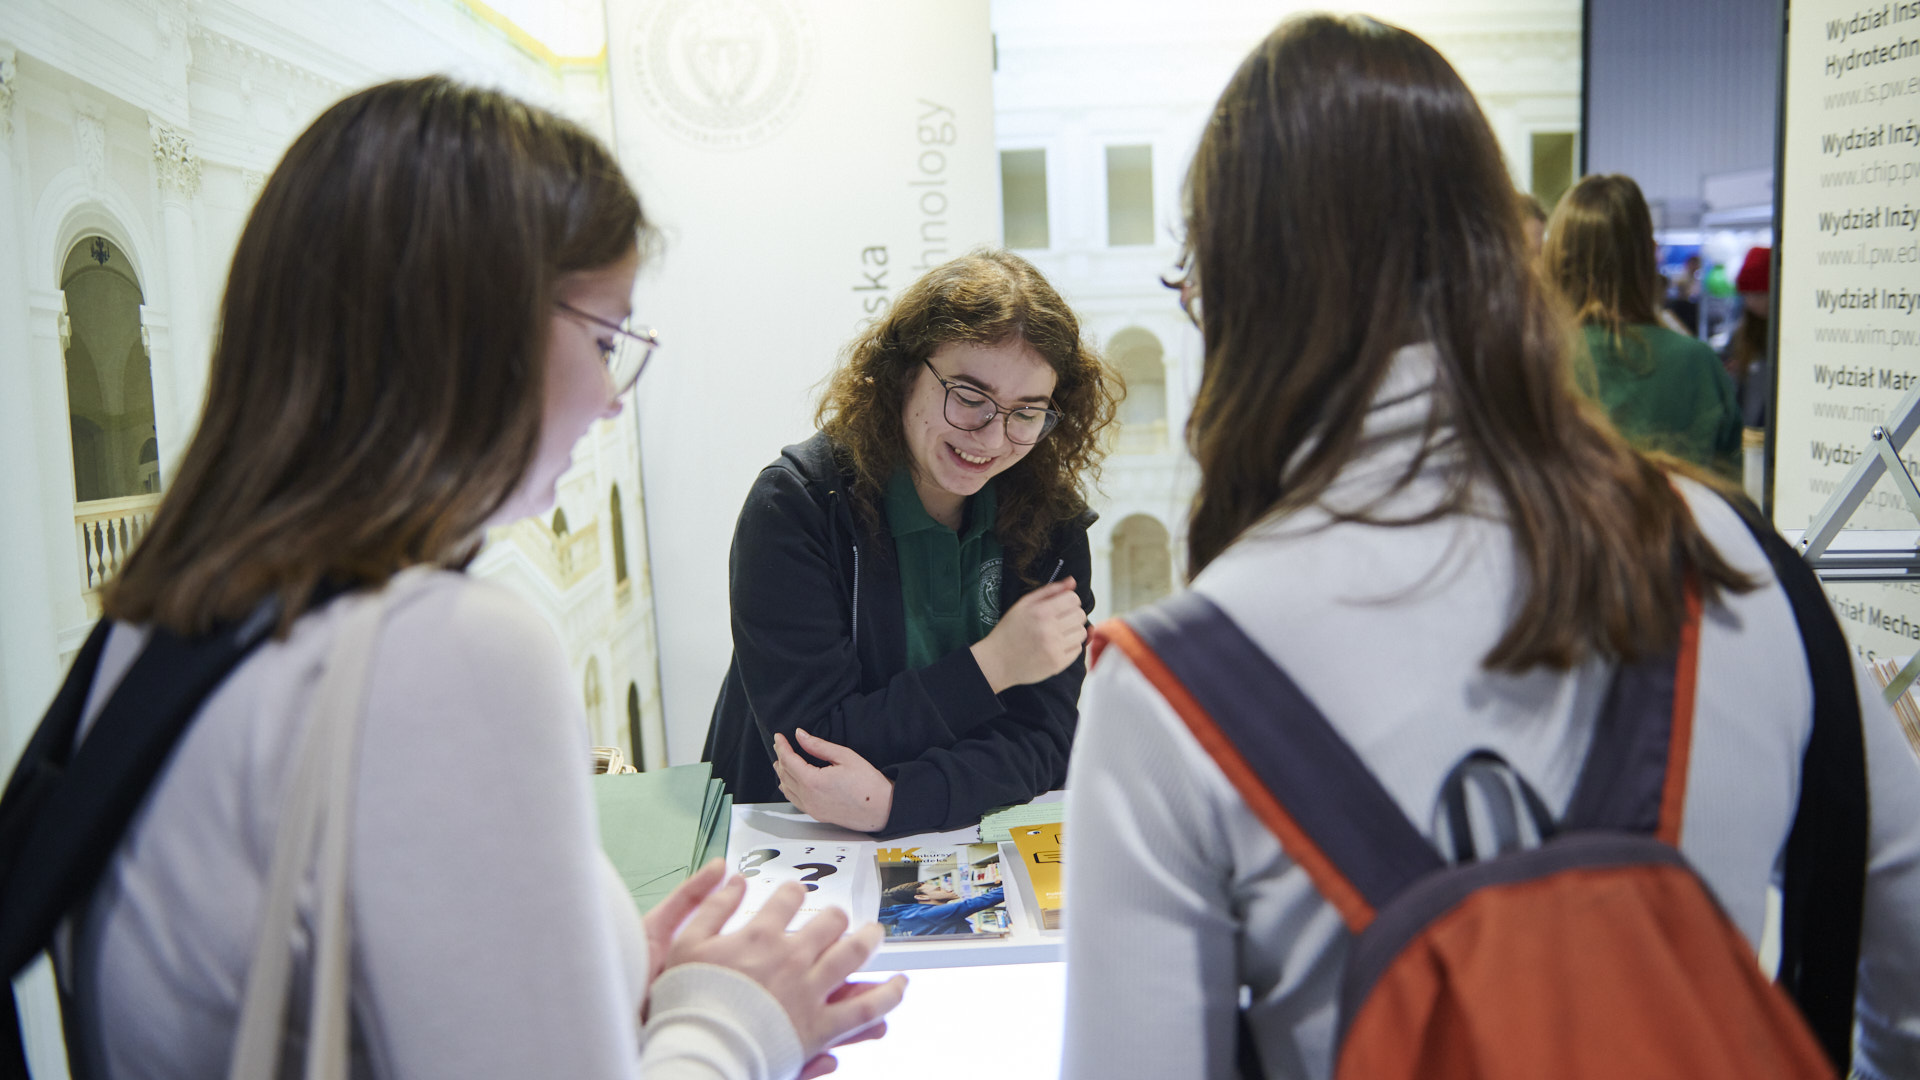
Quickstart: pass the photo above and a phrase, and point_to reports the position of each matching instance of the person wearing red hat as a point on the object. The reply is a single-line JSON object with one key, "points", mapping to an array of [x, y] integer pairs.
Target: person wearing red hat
{"points": [[1746, 353]]}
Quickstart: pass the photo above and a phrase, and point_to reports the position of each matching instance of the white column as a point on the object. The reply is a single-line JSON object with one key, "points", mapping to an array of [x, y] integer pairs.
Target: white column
{"points": [[29, 661], [29, 655], [176, 397]]}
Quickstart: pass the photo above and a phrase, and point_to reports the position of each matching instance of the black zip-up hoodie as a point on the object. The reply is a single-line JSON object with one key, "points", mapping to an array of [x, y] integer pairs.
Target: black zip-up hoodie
{"points": [[819, 642]]}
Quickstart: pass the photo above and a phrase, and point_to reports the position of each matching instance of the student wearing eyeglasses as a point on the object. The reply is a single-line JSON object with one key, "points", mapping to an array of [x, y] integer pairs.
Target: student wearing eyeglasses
{"points": [[909, 587], [417, 393]]}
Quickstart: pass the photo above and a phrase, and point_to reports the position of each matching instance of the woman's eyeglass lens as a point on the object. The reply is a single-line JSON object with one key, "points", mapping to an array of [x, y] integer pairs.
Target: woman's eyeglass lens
{"points": [[970, 410], [625, 353]]}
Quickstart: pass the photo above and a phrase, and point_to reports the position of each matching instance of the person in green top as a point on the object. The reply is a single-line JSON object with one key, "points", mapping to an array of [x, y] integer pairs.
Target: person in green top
{"points": [[1664, 391], [909, 588]]}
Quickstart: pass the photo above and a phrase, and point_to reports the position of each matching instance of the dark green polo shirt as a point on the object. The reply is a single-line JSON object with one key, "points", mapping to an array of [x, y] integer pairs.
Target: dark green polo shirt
{"points": [[949, 581], [1666, 391]]}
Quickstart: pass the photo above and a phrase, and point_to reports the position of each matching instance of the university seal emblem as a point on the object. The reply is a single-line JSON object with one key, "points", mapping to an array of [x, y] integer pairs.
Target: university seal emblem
{"points": [[990, 572], [722, 73]]}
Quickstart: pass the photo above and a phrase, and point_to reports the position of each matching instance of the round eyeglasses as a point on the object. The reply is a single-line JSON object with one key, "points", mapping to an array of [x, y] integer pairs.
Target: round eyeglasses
{"points": [[625, 353], [968, 409]]}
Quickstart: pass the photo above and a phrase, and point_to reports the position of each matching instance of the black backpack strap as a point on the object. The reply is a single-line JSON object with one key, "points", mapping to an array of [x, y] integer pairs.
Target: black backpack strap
{"points": [[40, 766], [1294, 770], [1824, 889], [44, 760], [66, 807]]}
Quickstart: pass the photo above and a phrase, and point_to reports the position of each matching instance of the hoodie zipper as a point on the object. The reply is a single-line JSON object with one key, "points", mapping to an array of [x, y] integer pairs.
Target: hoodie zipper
{"points": [[1050, 577], [856, 598]]}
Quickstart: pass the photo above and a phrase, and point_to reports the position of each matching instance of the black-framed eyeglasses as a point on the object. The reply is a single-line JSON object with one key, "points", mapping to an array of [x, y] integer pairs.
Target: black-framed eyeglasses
{"points": [[625, 353], [968, 409]]}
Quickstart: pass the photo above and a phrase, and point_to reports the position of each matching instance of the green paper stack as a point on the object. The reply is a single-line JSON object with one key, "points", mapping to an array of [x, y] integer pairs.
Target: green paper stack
{"points": [[996, 825], [659, 827]]}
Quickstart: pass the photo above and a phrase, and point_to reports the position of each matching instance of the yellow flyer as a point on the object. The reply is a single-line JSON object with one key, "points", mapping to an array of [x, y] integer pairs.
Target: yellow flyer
{"points": [[1040, 858]]}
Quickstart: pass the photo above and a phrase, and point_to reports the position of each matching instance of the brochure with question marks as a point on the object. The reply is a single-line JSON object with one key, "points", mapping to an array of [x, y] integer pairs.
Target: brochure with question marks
{"points": [[832, 872]]}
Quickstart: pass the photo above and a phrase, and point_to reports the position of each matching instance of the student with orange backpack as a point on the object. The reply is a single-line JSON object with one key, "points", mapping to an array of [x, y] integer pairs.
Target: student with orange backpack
{"points": [[1481, 737]]}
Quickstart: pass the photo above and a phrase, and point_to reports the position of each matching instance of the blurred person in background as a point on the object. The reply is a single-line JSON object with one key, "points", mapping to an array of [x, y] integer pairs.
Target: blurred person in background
{"points": [[1684, 300], [1533, 221], [1746, 353], [1664, 390]]}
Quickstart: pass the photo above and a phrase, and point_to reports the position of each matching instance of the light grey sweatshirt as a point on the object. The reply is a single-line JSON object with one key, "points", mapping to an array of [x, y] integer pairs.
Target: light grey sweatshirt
{"points": [[491, 937], [1178, 896]]}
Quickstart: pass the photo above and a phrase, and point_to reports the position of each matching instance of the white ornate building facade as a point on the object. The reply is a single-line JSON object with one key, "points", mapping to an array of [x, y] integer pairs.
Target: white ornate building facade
{"points": [[134, 136], [1096, 120]]}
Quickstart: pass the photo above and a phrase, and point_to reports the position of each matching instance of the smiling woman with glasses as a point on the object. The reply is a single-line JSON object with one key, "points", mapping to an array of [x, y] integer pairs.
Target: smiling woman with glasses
{"points": [[910, 586]]}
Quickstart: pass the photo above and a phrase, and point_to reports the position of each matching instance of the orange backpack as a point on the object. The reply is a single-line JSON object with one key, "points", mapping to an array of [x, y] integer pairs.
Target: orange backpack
{"points": [[1597, 953]]}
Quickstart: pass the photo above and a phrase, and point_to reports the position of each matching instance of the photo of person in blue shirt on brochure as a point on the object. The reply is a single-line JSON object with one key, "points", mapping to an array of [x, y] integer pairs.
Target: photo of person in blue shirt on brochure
{"points": [[929, 908]]}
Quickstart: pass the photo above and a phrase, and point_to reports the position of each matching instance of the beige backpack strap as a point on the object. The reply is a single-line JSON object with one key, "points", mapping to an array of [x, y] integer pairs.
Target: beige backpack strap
{"points": [[318, 812]]}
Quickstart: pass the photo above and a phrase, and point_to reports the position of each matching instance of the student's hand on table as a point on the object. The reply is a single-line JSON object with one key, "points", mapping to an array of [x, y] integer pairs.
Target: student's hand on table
{"points": [[1038, 637], [824, 1063], [848, 791], [805, 971], [665, 918]]}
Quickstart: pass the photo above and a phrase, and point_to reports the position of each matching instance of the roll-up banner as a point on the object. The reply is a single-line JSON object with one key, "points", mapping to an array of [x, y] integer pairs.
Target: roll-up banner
{"points": [[803, 162], [1848, 292]]}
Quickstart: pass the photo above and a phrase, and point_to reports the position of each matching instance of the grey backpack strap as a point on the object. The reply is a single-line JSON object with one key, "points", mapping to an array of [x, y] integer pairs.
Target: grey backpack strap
{"points": [[1645, 726], [1279, 750], [1507, 797]]}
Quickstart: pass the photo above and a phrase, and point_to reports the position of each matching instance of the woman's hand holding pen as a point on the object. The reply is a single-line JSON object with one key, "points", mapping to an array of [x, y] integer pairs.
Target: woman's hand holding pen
{"points": [[1039, 636]]}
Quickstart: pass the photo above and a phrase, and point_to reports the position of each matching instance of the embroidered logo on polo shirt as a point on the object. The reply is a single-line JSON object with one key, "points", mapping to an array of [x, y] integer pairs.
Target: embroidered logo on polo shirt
{"points": [[990, 591]]}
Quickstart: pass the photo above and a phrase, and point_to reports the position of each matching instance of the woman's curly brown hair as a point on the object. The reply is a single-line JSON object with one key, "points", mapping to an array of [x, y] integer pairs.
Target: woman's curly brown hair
{"points": [[984, 298]]}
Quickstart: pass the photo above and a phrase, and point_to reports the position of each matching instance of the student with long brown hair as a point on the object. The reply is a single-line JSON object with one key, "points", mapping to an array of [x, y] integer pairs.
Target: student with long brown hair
{"points": [[428, 305], [1406, 505], [1665, 391], [910, 586]]}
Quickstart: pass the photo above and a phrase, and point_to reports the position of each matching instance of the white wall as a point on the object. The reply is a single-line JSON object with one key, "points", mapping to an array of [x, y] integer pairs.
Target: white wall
{"points": [[771, 178]]}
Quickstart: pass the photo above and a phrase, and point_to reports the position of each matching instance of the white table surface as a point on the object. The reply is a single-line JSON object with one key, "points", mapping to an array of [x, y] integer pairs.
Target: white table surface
{"points": [[997, 1022], [1024, 945]]}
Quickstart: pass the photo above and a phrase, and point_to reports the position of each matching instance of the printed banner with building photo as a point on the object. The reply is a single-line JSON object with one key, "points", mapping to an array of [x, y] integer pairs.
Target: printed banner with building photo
{"points": [[942, 893]]}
